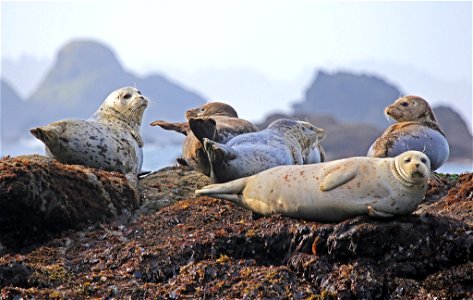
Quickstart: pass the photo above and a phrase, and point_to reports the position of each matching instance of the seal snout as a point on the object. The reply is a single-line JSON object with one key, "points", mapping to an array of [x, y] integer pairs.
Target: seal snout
{"points": [[418, 174], [37, 133]]}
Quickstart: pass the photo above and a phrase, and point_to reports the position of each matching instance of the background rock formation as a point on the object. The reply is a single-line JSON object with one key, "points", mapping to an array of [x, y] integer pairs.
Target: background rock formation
{"points": [[82, 76]]}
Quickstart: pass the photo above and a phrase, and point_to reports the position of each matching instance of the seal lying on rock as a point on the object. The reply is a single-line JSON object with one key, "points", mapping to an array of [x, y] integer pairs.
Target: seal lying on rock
{"points": [[109, 140], [284, 142], [417, 129], [335, 190], [215, 120]]}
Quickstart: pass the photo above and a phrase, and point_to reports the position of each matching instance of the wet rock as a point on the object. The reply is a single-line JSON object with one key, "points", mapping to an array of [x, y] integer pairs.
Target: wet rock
{"points": [[14, 273], [457, 202], [40, 197], [208, 248], [167, 186]]}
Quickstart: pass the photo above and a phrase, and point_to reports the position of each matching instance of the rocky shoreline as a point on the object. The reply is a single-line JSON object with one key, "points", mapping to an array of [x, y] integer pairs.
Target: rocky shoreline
{"points": [[165, 243]]}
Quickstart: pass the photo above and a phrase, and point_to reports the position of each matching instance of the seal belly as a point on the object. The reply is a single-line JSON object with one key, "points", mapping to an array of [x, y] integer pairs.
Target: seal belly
{"points": [[422, 139]]}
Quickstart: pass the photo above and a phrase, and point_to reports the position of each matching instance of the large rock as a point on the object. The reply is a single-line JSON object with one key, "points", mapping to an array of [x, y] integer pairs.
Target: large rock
{"points": [[40, 197], [458, 135], [349, 97], [208, 248], [13, 114]]}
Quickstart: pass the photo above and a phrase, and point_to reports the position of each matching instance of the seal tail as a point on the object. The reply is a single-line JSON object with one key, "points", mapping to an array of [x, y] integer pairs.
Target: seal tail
{"points": [[218, 154], [204, 128], [231, 191]]}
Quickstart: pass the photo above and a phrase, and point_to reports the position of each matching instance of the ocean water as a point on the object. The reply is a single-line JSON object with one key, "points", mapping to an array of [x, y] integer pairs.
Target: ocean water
{"points": [[155, 156], [160, 156]]}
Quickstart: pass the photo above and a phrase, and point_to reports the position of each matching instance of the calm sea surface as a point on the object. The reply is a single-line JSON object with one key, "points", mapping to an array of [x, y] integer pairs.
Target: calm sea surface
{"points": [[157, 156]]}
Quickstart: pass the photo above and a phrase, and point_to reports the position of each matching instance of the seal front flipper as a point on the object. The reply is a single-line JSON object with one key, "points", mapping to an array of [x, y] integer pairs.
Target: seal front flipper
{"points": [[178, 127], [377, 213], [204, 128], [338, 176]]}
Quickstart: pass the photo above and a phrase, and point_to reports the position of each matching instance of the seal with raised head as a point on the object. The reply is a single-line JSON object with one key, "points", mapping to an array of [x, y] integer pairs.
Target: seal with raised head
{"points": [[109, 140], [216, 121], [284, 142], [333, 191], [417, 129]]}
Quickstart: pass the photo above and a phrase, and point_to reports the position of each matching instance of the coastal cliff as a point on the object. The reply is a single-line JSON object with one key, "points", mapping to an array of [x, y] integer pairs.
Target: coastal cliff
{"points": [[176, 245]]}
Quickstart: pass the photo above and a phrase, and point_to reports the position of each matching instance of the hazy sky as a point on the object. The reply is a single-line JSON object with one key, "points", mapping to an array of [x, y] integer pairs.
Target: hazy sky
{"points": [[278, 39]]}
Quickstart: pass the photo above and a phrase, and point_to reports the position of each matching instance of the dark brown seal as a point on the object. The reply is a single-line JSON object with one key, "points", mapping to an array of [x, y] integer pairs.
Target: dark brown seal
{"points": [[216, 121], [417, 129]]}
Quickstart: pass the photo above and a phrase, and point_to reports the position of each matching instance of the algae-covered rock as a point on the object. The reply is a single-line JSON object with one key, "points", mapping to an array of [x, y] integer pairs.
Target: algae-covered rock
{"points": [[40, 196], [205, 248]]}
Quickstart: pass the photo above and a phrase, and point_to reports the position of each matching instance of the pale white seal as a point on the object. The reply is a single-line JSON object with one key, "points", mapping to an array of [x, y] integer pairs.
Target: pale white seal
{"points": [[333, 191], [109, 140], [284, 142]]}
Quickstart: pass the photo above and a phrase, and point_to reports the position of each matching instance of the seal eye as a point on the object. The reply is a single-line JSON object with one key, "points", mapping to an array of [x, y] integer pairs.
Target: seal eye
{"points": [[423, 160], [127, 96], [405, 104], [407, 160]]}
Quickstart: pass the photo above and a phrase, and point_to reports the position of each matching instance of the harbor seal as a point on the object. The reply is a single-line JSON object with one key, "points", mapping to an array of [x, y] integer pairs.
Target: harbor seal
{"points": [[333, 191], [284, 142], [109, 140], [417, 129], [216, 121]]}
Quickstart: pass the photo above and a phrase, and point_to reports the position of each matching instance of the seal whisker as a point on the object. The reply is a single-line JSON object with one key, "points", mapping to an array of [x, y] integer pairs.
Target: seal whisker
{"points": [[436, 179]]}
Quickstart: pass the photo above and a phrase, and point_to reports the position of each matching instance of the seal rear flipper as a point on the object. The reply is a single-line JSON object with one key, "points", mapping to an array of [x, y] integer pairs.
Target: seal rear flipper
{"points": [[178, 127], [49, 134], [204, 128], [338, 176], [231, 191]]}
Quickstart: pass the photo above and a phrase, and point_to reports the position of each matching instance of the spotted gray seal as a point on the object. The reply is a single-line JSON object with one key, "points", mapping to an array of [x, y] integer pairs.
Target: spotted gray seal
{"points": [[333, 191], [216, 121], [417, 129], [284, 142], [109, 140]]}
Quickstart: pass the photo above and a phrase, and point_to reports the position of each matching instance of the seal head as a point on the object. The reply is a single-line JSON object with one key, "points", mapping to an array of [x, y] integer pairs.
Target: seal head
{"points": [[212, 109]]}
